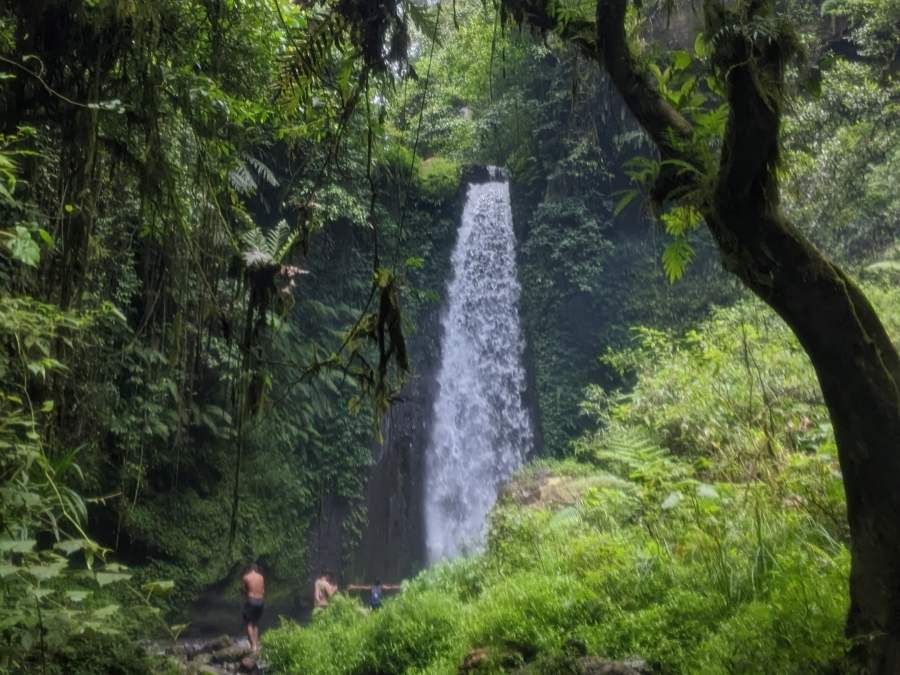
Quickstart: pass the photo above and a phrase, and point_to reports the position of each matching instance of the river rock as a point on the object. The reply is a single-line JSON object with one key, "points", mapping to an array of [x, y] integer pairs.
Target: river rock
{"points": [[201, 660], [221, 642], [248, 665], [231, 654]]}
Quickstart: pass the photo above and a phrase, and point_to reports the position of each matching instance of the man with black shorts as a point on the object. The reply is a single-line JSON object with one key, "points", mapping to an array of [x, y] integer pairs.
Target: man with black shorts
{"points": [[253, 588]]}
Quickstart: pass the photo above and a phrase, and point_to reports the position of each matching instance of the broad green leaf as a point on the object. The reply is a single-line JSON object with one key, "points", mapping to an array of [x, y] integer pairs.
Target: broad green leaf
{"points": [[8, 570], [701, 49], [23, 248], [106, 578], [682, 60], [69, 546], [47, 571], [17, 545], [105, 612], [159, 587], [77, 596]]}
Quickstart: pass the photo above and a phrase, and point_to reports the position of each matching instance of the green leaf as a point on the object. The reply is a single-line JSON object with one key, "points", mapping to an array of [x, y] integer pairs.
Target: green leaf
{"points": [[701, 48], [675, 259], [106, 578], [682, 60], [47, 571], [8, 570], [415, 263], [17, 545], [105, 612], [23, 248], [157, 587], [626, 198], [69, 546], [77, 596]]}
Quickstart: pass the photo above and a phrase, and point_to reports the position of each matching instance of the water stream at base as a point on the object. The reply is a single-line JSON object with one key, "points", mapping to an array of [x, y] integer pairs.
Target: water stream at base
{"points": [[481, 431]]}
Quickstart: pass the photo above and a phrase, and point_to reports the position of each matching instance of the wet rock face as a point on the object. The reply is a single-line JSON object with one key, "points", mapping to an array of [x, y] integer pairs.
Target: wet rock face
{"points": [[479, 173]]}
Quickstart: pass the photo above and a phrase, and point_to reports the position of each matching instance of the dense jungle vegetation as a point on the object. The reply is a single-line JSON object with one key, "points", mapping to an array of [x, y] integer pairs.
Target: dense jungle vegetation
{"points": [[225, 239]]}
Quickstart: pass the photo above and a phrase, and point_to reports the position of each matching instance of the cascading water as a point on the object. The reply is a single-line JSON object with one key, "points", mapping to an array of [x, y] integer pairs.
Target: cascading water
{"points": [[481, 431]]}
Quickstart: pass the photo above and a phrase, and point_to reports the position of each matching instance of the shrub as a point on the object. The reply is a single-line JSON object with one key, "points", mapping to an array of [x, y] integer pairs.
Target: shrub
{"points": [[333, 644], [412, 631]]}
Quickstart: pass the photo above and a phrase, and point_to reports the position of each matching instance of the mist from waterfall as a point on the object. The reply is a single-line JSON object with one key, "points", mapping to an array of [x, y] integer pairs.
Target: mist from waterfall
{"points": [[481, 431]]}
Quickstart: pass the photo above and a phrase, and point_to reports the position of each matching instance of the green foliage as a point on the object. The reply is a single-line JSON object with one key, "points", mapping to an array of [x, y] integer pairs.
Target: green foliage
{"points": [[92, 654], [54, 577], [703, 586], [438, 178], [842, 158], [703, 530], [738, 389], [874, 26]]}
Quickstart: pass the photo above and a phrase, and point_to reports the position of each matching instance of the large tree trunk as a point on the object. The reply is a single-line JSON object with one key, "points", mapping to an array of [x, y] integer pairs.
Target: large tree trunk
{"points": [[859, 371], [857, 365]]}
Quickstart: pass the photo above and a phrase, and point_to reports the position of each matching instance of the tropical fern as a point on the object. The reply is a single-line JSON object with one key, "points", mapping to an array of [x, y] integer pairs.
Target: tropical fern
{"points": [[676, 257], [242, 179], [264, 248], [633, 454], [262, 170]]}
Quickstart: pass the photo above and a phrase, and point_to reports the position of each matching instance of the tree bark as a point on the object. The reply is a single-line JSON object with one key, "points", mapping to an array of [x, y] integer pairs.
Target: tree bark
{"points": [[857, 365]]}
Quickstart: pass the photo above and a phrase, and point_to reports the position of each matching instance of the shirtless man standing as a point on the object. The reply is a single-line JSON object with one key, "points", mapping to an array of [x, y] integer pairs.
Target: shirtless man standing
{"points": [[253, 588], [323, 590]]}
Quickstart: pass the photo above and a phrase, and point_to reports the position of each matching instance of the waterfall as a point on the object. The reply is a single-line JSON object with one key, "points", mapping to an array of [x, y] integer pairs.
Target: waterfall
{"points": [[481, 431]]}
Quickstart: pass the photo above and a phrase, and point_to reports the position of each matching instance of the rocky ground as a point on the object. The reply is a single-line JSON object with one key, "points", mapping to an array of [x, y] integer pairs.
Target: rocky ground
{"points": [[215, 656]]}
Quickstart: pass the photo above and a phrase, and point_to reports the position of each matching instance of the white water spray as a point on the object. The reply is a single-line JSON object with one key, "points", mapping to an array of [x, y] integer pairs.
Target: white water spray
{"points": [[481, 431]]}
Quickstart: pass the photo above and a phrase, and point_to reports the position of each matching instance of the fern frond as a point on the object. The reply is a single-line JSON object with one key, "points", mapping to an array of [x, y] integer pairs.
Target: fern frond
{"points": [[262, 170], [675, 259], [242, 180]]}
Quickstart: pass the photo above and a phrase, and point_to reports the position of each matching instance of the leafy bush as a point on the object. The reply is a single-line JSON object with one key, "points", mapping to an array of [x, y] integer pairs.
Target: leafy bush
{"points": [[411, 631], [334, 643]]}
